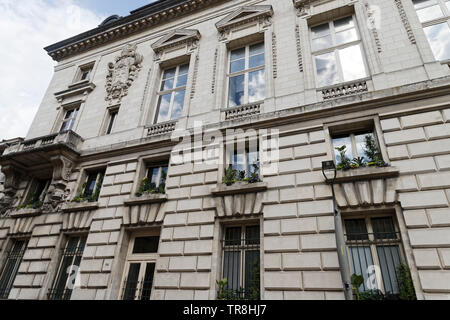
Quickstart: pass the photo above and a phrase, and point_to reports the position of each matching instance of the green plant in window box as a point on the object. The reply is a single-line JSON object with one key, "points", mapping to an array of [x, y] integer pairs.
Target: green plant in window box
{"points": [[230, 176], [82, 197], [345, 163], [356, 280], [146, 187]]}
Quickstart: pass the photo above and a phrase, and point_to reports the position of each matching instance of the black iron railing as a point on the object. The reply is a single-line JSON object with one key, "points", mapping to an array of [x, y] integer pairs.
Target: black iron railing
{"points": [[9, 273], [59, 294]]}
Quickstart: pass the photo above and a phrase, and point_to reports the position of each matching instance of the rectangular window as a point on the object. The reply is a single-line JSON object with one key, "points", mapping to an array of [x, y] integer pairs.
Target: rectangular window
{"points": [[247, 81], [68, 269], [111, 121], [85, 72], [241, 262], [355, 145], [37, 192], [69, 120], [435, 18], [140, 267], [172, 93], [375, 252], [246, 162], [93, 185], [157, 176], [337, 52], [13, 261]]}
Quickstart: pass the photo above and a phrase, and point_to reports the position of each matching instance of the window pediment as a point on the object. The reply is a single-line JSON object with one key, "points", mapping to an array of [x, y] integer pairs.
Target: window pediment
{"points": [[244, 15], [176, 38]]}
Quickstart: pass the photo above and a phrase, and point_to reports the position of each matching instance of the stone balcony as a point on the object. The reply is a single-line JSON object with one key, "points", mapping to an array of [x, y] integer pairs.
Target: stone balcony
{"points": [[343, 90], [242, 111], [67, 138]]}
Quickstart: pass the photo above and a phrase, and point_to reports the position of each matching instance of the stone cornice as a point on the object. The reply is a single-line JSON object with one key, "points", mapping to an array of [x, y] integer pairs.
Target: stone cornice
{"points": [[176, 38], [139, 20], [244, 15]]}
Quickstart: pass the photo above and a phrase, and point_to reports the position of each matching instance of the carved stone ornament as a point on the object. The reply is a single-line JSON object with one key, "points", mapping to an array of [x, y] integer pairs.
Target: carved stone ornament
{"points": [[11, 185], [122, 73], [303, 7]]}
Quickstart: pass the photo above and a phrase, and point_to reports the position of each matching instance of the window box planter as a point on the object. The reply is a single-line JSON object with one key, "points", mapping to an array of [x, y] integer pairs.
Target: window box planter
{"points": [[239, 188], [83, 206], [369, 173], [25, 212], [146, 199]]}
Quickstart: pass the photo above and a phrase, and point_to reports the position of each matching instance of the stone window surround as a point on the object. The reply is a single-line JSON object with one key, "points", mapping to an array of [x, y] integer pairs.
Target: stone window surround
{"points": [[236, 35], [347, 126], [63, 108], [80, 69], [82, 178], [397, 213], [29, 186], [146, 162], [128, 256], [313, 16], [107, 117], [179, 52], [224, 153]]}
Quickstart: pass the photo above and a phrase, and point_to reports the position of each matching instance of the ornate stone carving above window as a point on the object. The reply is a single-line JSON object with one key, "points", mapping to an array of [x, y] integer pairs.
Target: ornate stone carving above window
{"points": [[302, 7], [178, 38], [122, 73], [262, 15]]}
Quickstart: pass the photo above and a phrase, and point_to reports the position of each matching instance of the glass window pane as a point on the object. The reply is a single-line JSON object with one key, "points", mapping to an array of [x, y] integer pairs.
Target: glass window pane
{"points": [[320, 31], [238, 54], [430, 13], [389, 257], [148, 282], [360, 141], [439, 37], [239, 162], [146, 245], [90, 184], [236, 95], [346, 36], [237, 65], [169, 73], [231, 269], [326, 69], [132, 282], [352, 63], [253, 159], [178, 103], [360, 260], [252, 274], [448, 5], [322, 43], [152, 175], [383, 228], [340, 142], [356, 229], [167, 84], [257, 48], [256, 61], [184, 69], [233, 236], [252, 235], [256, 86], [344, 24], [418, 4], [163, 108], [181, 81]]}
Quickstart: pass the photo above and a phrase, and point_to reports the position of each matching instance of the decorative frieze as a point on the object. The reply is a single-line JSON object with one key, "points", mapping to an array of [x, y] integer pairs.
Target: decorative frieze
{"points": [[274, 56], [405, 21], [162, 128], [345, 90], [194, 76], [214, 73], [299, 48], [243, 111], [122, 73], [373, 26]]}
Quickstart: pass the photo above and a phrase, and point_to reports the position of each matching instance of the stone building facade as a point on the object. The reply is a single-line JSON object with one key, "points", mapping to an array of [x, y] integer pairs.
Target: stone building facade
{"points": [[80, 221]]}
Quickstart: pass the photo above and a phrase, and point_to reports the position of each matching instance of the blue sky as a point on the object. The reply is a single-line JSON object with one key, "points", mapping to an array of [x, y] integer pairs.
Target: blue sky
{"points": [[110, 7]]}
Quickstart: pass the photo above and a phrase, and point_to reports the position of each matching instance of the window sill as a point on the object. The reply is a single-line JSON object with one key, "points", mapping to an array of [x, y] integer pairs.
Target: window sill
{"points": [[83, 206], [78, 88], [146, 199], [25, 212], [239, 188], [371, 173]]}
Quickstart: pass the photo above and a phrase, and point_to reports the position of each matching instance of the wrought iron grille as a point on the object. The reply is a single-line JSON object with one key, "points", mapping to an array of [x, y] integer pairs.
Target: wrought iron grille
{"points": [[70, 262], [368, 251], [11, 268], [137, 290], [241, 264]]}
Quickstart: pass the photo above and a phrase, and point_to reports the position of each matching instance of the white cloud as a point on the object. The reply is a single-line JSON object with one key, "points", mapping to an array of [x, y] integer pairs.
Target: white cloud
{"points": [[27, 26]]}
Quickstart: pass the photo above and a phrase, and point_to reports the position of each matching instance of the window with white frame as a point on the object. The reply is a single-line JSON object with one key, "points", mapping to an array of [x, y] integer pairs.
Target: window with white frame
{"points": [[112, 116], [375, 251], [140, 267], [247, 82], [435, 18], [68, 269], [172, 93], [11, 268], [69, 120], [241, 262], [245, 159], [356, 144], [337, 52]]}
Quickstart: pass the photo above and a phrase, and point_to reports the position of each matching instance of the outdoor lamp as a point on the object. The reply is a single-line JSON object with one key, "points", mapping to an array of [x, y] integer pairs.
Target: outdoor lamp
{"points": [[329, 171]]}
